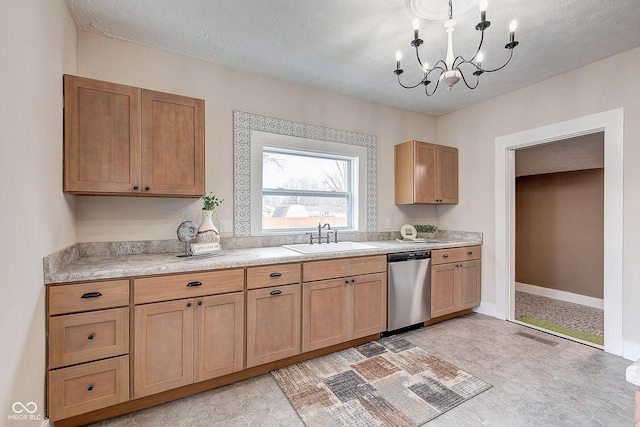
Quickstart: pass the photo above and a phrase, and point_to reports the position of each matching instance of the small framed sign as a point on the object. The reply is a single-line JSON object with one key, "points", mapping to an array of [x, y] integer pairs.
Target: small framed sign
{"points": [[205, 248]]}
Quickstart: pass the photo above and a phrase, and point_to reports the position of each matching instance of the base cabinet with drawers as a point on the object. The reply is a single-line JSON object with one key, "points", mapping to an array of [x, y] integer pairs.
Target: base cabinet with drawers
{"points": [[88, 347], [196, 337], [455, 280], [343, 299]]}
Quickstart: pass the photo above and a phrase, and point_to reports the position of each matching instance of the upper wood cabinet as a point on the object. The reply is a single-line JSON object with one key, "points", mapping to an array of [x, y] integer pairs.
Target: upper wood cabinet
{"points": [[425, 174], [123, 140]]}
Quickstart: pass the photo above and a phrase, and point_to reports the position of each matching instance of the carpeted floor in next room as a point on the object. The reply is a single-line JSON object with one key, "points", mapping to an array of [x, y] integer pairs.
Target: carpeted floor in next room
{"points": [[577, 317], [537, 379]]}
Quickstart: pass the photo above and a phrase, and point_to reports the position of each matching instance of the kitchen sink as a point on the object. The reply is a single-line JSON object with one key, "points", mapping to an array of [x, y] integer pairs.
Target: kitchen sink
{"points": [[306, 248]]}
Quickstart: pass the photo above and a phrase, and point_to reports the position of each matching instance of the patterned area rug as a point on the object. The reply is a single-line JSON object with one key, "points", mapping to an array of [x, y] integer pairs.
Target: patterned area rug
{"points": [[389, 382]]}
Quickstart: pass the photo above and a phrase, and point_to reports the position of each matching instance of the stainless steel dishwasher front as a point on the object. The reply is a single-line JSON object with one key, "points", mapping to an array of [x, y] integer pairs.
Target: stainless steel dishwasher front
{"points": [[409, 294]]}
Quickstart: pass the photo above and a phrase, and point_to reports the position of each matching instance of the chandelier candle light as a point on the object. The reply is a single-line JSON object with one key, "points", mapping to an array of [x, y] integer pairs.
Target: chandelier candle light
{"points": [[449, 71]]}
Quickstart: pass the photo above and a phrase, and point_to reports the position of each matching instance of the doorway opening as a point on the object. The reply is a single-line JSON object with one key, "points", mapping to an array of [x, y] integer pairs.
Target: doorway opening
{"points": [[611, 124], [559, 241]]}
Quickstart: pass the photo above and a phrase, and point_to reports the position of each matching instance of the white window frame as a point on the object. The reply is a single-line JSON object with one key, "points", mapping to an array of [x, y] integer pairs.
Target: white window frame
{"points": [[260, 139]]}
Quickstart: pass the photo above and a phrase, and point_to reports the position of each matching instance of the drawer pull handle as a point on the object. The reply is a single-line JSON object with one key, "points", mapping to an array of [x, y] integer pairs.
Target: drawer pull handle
{"points": [[193, 284], [470, 253], [276, 274], [445, 256], [91, 295], [276, 292], [90, 388], [90, 337]]}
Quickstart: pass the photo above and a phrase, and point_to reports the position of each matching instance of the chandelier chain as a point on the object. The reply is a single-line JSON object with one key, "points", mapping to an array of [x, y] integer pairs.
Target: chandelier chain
{"points": [[450, 10]]}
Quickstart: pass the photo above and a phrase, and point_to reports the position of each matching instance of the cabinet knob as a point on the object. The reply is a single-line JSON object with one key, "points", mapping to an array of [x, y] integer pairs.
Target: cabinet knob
{"points": [[188, 304], [346, 282], [199, 302], [276, 274], [445, 256], [135, 187], [276, 292], [90, 337], [470, 253], [147, 188], [353, 280], [90, 388]]}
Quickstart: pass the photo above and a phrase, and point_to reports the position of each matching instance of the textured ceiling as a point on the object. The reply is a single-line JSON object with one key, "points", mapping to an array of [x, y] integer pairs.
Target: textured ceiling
{"points": [[348, 46]]}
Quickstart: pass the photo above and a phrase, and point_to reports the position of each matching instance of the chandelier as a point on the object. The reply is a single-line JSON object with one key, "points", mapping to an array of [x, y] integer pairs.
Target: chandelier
{"points": [[448, 71]]}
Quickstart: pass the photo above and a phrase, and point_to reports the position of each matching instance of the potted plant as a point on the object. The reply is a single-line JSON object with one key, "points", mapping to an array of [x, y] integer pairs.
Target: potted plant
{"points": [[207, 232], [427, 231]]}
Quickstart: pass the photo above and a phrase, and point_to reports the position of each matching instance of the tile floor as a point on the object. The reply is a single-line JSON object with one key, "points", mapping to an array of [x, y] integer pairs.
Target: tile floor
{"points": [[547, 381]]}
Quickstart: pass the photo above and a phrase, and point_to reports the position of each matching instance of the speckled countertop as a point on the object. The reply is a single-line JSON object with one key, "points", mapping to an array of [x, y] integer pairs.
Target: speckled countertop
{"points": [[106, 267]]}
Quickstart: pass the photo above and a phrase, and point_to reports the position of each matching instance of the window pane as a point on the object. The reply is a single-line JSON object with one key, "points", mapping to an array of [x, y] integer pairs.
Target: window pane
{"points": [[304, 172], [290, 212]]}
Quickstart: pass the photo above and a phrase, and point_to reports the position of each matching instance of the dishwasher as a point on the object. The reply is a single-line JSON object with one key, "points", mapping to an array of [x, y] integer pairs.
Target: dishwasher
{"points": [[409, 290]]}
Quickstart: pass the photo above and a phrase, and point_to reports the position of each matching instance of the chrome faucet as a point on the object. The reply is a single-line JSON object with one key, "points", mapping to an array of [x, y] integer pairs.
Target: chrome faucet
{"points": [[319, 236]]}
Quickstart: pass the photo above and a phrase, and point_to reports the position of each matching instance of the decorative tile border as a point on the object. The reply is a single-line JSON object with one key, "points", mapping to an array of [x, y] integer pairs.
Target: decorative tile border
{"points": [[244, 123]]}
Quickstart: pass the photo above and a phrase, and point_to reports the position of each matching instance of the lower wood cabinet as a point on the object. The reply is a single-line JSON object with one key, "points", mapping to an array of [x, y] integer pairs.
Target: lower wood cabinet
{"points": [[87, 387], [88, 347], [455, 280], [273, 324], [179, 342], [345, 308]]}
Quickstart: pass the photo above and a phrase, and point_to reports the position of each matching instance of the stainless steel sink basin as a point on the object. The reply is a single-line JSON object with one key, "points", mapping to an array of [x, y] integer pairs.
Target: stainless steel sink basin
{"points": [[306, 248]]}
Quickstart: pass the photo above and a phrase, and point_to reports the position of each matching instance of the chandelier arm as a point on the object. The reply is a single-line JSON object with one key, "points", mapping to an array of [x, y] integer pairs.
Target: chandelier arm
{"points": [[410, 87], [464, 79], [426, 89], [469, 61], [502, 66]]}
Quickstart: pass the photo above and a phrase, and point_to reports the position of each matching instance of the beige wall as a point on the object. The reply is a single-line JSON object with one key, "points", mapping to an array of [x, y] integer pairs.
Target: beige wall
{"points": [[38, 40], [576, 94], [559, 229], [224, 90]]}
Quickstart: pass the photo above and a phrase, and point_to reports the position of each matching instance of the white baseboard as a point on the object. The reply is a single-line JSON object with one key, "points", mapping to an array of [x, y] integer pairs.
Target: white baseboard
{"points": [[561, 295], [631, 350], [487, 308]]}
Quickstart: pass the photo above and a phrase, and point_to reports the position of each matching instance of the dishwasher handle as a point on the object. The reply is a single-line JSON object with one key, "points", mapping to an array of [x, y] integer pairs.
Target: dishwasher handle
{"points": [[408, 256]]}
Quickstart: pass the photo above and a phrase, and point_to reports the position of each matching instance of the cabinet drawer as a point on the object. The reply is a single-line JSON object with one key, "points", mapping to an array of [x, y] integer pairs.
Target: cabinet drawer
{"points": [[88, 296], [84, 388], [78, 338], [320, 270], [443, 256], [165, 288], [367, 265], [272, 275]]}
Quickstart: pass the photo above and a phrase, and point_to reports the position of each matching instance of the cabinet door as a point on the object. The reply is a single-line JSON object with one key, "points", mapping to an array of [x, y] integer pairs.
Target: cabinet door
{"points": [[446, 175], [468, 286], [325, 313], [219, 335], [273, 324], [443, 300], [101, 136], [368, 297], [163, 346], [172, 144], [424, 173]]}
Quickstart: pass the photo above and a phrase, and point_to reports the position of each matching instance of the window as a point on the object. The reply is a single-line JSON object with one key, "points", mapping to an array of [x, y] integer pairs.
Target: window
{"points": [[302, 188], [252, 132]]}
